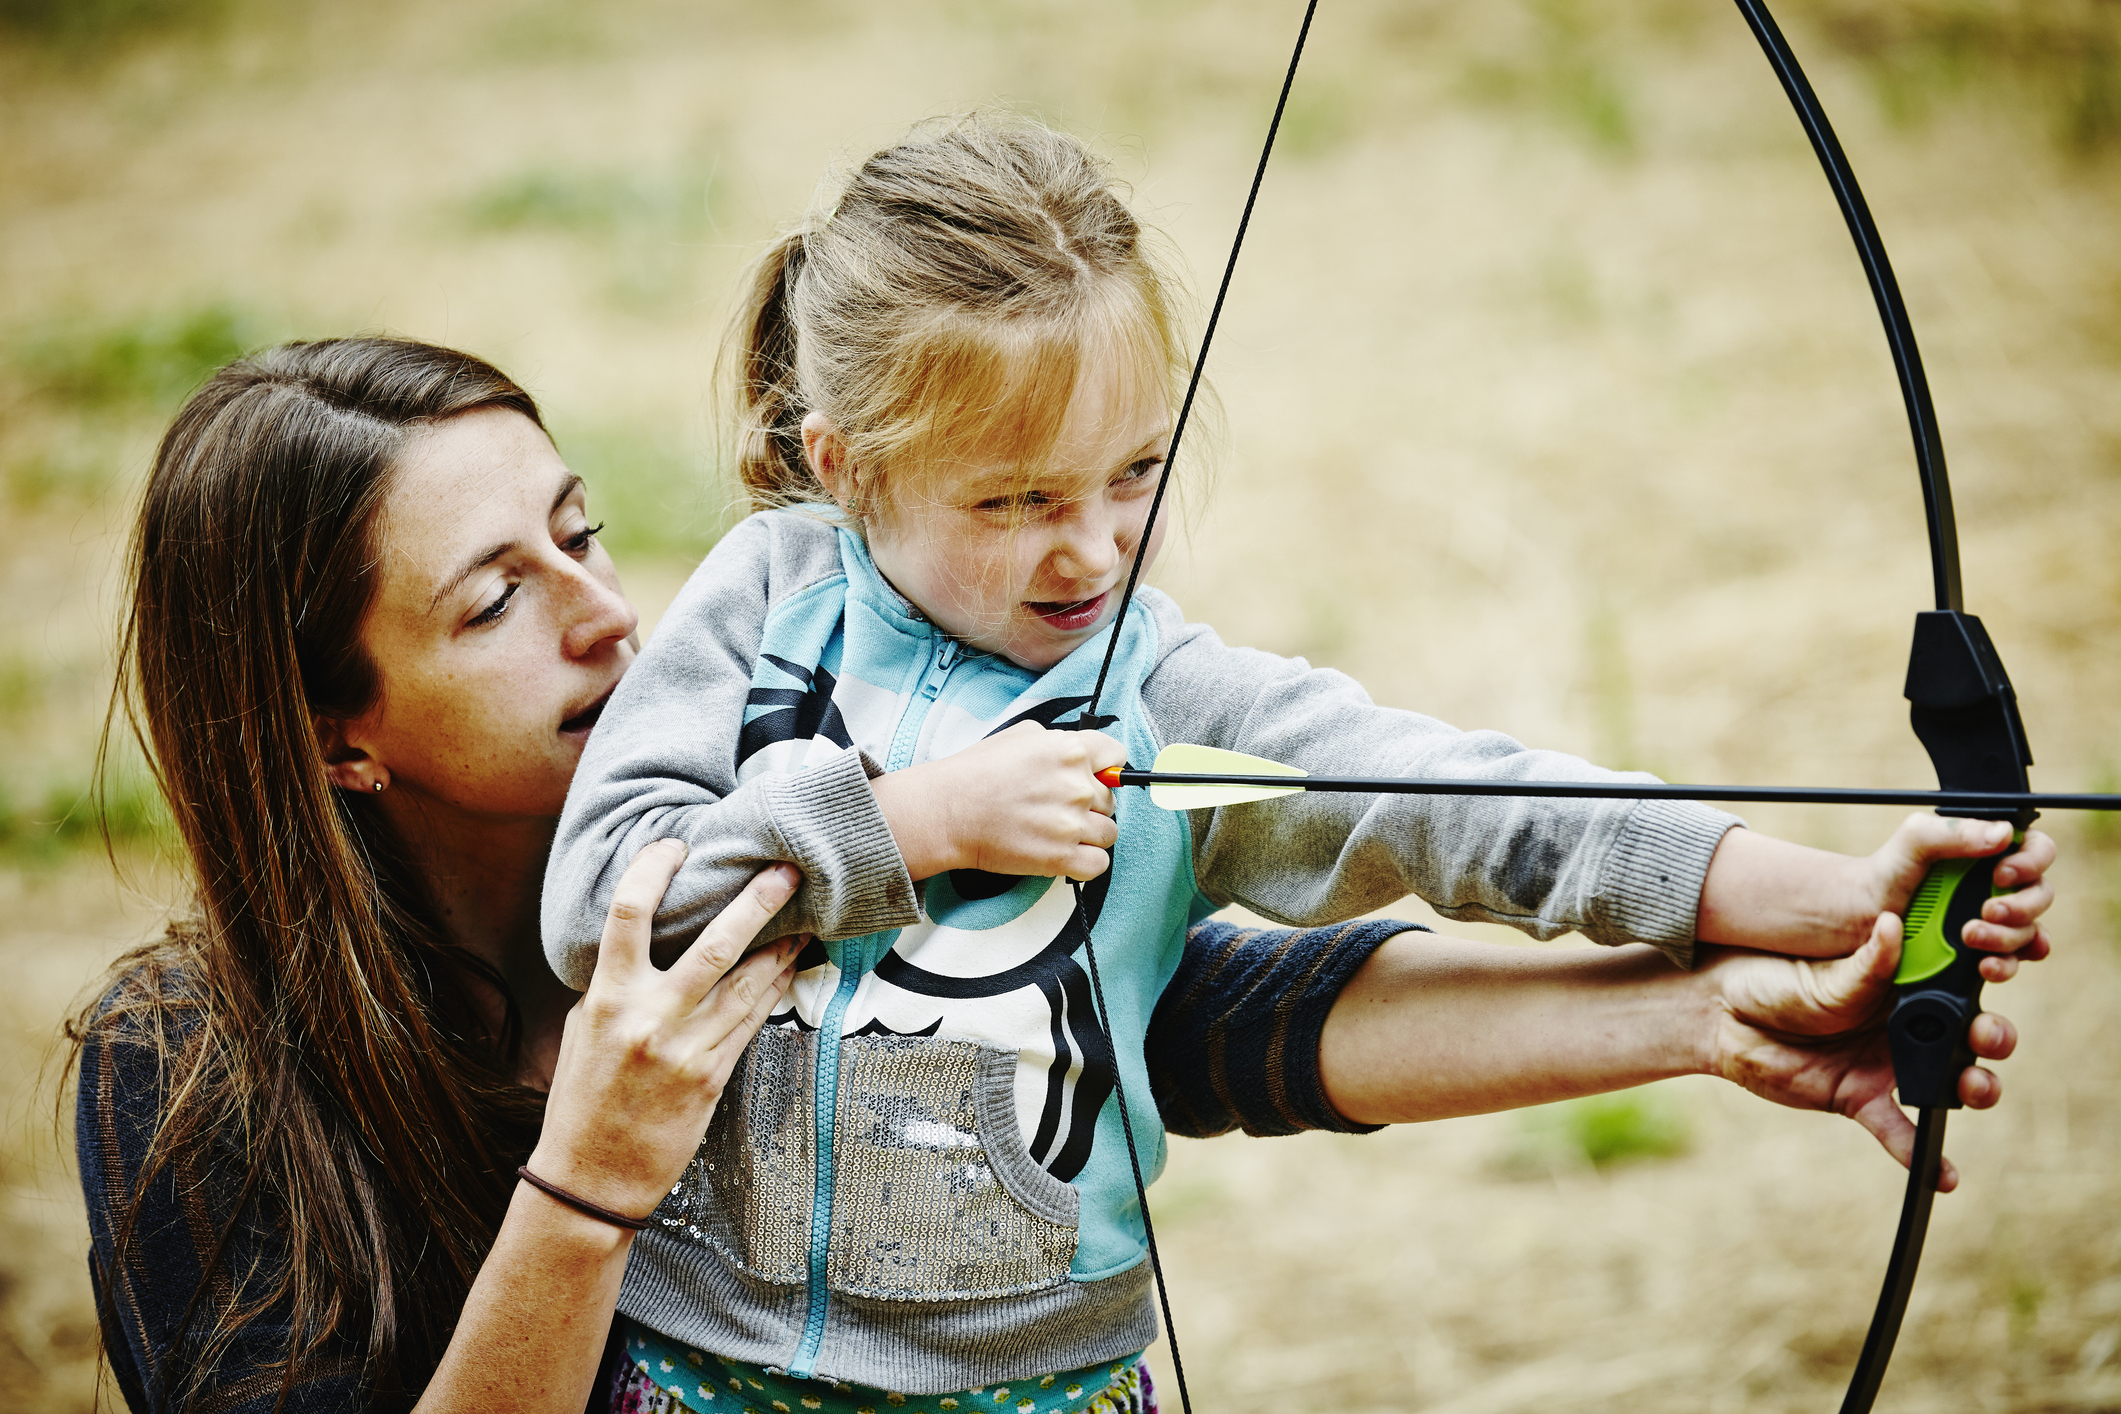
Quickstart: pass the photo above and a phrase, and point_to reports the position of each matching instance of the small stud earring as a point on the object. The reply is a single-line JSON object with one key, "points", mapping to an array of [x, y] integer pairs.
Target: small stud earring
{"points": [[379, 787]]}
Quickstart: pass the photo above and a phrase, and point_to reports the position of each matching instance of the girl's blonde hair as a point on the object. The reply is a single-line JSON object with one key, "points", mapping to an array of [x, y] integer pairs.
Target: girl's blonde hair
{"points": [[944, 304]]}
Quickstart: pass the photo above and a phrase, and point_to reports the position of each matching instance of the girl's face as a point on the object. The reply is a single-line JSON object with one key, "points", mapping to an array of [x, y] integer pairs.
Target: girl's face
{"points": [[1027, 566], [498, 628]]}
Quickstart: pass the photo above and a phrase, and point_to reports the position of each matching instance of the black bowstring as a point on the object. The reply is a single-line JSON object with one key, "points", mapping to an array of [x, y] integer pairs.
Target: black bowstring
{"points": [[1185, 409], [1134, 1161], [1089, 712]]}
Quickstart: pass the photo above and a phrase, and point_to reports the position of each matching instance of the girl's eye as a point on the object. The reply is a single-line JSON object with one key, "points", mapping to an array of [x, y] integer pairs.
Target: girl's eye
{"points": [[1028, 501], [494, 610], [1142, 469], [578, 543]]}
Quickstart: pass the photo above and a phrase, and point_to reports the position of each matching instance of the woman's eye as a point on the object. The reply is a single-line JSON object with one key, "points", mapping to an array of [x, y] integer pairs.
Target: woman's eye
{"points": [[578, 543], [494, 610]]}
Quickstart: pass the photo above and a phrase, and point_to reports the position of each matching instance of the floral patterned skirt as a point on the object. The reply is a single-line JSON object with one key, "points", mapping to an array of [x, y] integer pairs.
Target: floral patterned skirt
{"points": [[659, 1376]]}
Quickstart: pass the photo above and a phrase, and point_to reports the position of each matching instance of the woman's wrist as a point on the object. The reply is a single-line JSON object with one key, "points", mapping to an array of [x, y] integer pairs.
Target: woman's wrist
{"points": [[629, 1196], [539, 1217], [1709, 1011]]}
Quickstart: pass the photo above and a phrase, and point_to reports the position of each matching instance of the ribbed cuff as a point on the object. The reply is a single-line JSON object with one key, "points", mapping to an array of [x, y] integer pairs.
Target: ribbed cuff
{"points": [[1655, 874], [1234, 1040], [835, 833]]}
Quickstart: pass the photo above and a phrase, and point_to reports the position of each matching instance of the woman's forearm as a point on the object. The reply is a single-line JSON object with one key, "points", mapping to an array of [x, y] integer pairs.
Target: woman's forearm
{"points": [[1432, 1027], [535, 1324]]}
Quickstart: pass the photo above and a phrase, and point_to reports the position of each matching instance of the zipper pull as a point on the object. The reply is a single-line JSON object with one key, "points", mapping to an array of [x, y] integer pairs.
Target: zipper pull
{"points": [[945, 660]]}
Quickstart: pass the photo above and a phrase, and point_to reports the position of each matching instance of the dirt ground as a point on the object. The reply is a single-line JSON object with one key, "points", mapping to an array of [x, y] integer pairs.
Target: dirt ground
{"points": [[1554, 403]]}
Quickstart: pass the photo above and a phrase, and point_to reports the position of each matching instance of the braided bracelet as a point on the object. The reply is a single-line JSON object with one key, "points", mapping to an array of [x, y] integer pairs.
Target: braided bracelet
{"points": [[579, 1204]]}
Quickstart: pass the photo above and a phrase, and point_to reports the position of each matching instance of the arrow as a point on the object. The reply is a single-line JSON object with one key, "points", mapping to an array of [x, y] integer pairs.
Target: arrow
{"points": [[1188, 777]]}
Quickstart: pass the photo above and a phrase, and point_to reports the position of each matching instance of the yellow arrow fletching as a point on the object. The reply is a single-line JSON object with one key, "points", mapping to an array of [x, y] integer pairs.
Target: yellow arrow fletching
{"points": [[1188, 760]]}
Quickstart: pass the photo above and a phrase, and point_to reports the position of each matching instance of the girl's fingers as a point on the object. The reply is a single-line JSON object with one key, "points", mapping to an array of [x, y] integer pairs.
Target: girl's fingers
{"points": [[723, 942], [2028, 862], [1998, 969], [1100, 832], [1085, 863], [631, 917]]}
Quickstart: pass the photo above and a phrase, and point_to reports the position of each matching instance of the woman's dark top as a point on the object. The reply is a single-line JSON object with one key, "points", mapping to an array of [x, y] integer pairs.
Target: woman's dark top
{"points": [[1233, 1045]]}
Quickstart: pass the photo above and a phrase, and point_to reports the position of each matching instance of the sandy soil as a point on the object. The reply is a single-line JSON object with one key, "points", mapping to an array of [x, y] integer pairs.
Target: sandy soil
{"points": [[1554, 402]]}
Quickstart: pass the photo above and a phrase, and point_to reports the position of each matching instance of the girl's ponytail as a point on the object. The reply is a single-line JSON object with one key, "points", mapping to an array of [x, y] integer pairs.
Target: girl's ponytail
{"points": [[769, 401]]}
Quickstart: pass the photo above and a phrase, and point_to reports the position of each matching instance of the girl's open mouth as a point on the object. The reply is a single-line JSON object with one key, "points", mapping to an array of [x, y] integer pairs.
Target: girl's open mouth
{"points": [[1072, 616], [583, 720]]}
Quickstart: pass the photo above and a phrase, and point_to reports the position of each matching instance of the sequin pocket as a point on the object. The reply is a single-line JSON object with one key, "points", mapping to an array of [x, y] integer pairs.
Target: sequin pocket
{"points": [[747, 1192], [935, 1197]]}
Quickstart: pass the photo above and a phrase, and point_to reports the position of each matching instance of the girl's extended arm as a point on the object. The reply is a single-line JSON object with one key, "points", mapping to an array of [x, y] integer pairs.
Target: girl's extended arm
{"points": [[644, 1057], [1773, 896]]}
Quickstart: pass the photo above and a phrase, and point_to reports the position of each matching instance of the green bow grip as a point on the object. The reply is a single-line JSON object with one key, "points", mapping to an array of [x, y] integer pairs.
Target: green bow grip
{"points": [[1951, 894], [1938, 986]]}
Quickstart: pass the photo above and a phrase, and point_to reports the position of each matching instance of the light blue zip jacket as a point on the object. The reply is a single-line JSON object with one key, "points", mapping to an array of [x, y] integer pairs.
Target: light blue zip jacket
{"points": [[918, 1180]]}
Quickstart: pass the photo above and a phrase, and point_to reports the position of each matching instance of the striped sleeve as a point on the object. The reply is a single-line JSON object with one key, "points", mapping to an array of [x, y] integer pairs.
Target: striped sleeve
{"points": [[1234, 1040], [157, 1310]]}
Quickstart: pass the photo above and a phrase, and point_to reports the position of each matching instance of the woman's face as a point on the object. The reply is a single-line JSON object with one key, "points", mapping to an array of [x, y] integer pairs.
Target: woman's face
{"points": [[498, 629]]}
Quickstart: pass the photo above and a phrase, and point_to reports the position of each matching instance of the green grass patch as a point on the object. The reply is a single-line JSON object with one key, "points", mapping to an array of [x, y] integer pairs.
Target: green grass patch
{"points": [[1561, 70], [2061, 61], [149, 362], [75, 816], [647, 229], [1599, 1130], [657, 499], [585, 202], [84, 24]]}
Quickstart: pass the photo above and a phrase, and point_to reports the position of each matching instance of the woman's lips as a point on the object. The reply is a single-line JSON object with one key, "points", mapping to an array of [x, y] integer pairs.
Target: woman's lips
{"points": [[1072, 616], [583, 720]]}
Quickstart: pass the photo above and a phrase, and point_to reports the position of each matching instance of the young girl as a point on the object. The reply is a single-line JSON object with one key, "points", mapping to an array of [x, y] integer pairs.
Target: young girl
{"points": [[957, 385]]}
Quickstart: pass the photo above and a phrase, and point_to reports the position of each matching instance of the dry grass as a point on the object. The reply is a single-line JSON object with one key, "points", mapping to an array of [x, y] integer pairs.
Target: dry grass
{"points": [[1556, 404]]}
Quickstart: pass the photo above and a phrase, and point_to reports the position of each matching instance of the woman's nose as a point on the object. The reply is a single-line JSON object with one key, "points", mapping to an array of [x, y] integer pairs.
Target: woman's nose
{"points": [[597, 613]]}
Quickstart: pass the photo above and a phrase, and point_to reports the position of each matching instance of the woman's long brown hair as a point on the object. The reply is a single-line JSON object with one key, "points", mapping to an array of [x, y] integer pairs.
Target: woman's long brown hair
{"points": [[311, 1021]]}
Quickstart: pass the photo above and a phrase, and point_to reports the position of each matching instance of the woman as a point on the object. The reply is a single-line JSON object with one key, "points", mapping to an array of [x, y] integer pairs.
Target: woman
{"points": [[371, 628]]}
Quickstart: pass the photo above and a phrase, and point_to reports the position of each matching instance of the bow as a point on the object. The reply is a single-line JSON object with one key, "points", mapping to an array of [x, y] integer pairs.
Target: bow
{"points": [[1962, 707]]}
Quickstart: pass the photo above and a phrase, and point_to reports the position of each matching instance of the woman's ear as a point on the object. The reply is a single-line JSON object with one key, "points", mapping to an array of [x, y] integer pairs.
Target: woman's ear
{"points": [[827, 456], [346, 765]]}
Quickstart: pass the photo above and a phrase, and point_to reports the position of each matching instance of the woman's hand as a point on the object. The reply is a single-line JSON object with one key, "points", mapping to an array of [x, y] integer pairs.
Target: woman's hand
{"points": [[1812, 1035], [1023, 801], [645, 1053]]}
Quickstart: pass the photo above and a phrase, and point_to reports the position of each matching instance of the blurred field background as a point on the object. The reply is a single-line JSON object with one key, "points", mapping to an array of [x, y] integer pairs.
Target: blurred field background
{"points": [[1556, 404]]}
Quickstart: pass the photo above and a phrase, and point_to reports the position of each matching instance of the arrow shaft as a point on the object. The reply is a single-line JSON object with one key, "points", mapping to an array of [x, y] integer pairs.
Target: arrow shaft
{"points": [[1629, 790]]}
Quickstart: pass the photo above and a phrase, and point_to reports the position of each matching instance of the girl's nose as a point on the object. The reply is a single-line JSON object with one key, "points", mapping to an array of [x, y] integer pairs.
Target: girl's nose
{"points": [[596, 614], [1088, 545]]}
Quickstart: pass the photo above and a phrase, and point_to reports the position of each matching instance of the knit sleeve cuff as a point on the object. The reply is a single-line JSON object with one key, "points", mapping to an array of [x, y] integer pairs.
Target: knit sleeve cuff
{"points": [[835, 833], [1234, 1040], [1654, 876]]}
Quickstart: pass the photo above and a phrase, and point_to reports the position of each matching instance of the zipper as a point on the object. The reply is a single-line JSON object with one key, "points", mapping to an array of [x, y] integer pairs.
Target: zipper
{"points": [[908, 736], [824, 1110], [856, 958]]}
